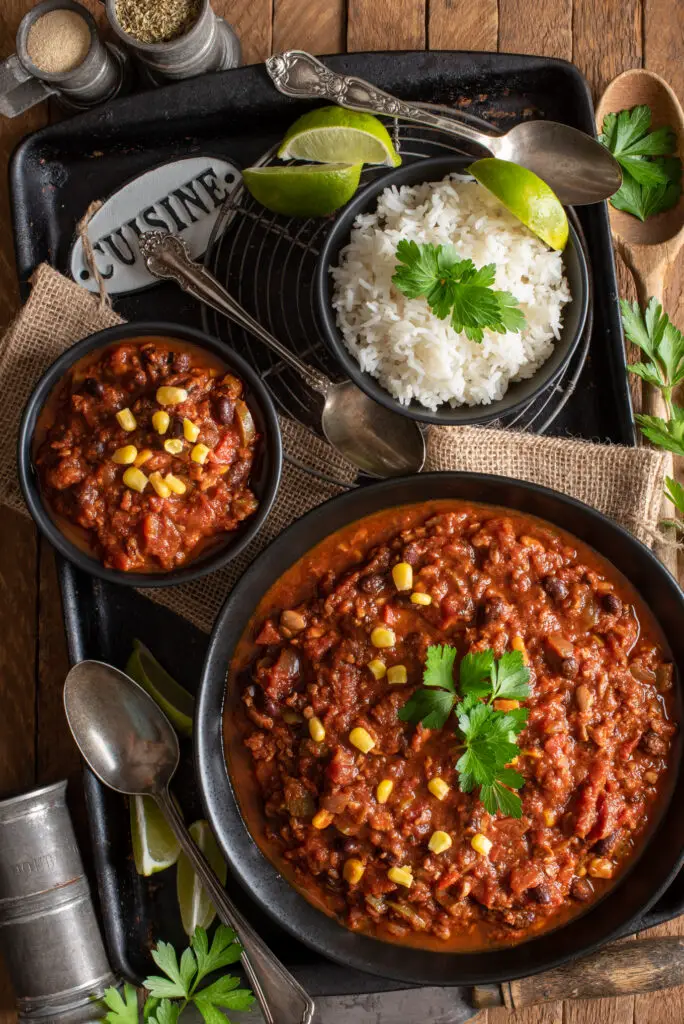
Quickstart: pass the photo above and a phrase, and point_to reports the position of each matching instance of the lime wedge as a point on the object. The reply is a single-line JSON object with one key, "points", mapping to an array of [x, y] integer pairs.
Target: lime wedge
{"points": [[172, 698], [332, 135], [155, 847], [526, 196], [196, 909], [309, 190]]}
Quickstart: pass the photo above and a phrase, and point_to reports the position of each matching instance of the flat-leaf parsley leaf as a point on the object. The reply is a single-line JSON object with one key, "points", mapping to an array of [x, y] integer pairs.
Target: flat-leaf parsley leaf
{"points": [[455, 287], [651, 177]]}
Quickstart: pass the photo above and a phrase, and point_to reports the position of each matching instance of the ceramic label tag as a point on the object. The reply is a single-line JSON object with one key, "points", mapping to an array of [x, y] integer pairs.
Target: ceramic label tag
{"points": [[183, 197]]}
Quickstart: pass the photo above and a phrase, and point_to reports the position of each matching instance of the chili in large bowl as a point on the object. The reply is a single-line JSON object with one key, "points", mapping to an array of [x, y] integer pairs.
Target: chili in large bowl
{"points": [[399, 861], [149, 454]]}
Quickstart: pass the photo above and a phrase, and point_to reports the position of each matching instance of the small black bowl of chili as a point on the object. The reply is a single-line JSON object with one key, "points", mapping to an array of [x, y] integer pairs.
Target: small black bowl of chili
{"points": [[149, 454]]}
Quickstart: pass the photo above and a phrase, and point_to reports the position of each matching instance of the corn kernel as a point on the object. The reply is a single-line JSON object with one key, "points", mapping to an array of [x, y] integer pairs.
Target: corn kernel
{"points": [[173, 445], [361, 739], [160, 421], [600, 867], [481, 844], [401, 876], [383, 637], [402, 574], [126, 419], [439, 841], [581, 871], [162, 489], [135, 479], [171, 396], [143, 456], [190, 430], [397, 675], [383, 790], [418, 598], [175, 484], [316, 730], [438, 787], [549, 818], [377, 668], [353, 870], [321, 819], [518, 644], [199, 453], [125, 456]]}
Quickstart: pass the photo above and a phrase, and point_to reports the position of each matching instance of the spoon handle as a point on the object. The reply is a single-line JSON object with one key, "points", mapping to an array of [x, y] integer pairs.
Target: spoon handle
{"points": [[281, 998], [299, 74], [167, 256]]}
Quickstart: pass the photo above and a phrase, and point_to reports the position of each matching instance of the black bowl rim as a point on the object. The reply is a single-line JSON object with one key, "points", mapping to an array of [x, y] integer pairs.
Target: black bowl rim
{"points": [[444, 416], [249, 866], [273, 451]]}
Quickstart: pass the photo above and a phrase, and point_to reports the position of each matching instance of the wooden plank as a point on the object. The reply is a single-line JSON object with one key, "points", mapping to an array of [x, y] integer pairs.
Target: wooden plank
{"points": [[541, 28], [399, 25], [253, 22], [606, 39], [462, 25], [321, 28], [666, 1007]]}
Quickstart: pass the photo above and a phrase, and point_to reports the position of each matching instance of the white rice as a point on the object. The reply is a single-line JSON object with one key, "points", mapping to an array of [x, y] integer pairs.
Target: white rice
{"points": [[413, 354]]}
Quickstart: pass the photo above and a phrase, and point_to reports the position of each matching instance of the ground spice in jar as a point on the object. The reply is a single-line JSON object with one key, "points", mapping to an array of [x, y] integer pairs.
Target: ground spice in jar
{"points": [[58, 41], [157, 21]]}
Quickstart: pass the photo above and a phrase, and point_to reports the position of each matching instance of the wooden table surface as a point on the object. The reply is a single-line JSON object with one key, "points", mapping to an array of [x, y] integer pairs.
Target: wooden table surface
{"points": [[603, 37]]}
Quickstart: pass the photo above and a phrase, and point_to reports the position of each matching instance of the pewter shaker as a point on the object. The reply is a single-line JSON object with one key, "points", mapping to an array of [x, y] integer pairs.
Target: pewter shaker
{"points": [[49, 935], [210, 45]]}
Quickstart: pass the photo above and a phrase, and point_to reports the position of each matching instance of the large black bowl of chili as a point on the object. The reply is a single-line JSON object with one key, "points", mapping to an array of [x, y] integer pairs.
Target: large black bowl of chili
{"points": [[231, 795], [149, 454]]}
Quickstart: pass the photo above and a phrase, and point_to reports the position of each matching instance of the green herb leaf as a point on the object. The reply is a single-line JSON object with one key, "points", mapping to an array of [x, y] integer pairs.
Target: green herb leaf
{"points": [[455, 287], [225, 950], [439, 667], [173, 986], [675, 492], [430, 707], [651, 176], [511, 677], [476, 673], [667, 434], [223, 993], [165, 1013], [122, 1009], [497, 798]]}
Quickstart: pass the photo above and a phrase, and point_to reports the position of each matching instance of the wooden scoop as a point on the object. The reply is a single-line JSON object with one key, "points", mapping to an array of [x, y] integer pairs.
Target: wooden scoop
{"points": [[648, 248]]}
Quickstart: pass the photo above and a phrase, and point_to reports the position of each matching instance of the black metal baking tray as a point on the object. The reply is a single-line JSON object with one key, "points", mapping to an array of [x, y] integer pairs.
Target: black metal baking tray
{"points": [[56, 173]]}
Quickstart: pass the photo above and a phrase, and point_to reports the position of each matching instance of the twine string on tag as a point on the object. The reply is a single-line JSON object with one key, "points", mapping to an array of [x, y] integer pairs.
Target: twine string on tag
{"points": [[89, 253]]}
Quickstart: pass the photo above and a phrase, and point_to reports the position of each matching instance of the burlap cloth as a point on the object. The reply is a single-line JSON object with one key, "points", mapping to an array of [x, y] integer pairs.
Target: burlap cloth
{"points": [[624, 483]]}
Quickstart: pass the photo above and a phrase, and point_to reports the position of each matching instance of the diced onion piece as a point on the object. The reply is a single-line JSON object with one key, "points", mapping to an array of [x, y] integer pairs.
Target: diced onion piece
{"points": [[383, 790], [125, 456], [439, 841], [135, 479], [438, 787], [171, 396], [160, 421], [481, 844], [402, 574], [383, 637], [245, 422], [397, 675], [353, 870], [401, 876], [199, 453], [190, 430], [126, 419], [361, 739]]}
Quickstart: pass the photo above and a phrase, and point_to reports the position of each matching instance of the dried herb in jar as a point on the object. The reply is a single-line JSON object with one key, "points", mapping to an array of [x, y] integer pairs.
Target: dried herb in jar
{"points": [[157, 21]]}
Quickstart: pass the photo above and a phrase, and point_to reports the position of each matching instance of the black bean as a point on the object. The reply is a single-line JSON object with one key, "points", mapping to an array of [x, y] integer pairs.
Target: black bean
{"points": [[569, 668], [541, 894], [612, 604], [555, 588], [351, 846], [93, 387], [176, 427], [181, 362], [581, 889], [372, 584], [492, 610], [225, 410], [604, 847]]}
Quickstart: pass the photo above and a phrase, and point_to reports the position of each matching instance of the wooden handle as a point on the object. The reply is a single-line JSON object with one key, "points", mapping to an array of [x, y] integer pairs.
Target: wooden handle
{"points": [[621, 970]]}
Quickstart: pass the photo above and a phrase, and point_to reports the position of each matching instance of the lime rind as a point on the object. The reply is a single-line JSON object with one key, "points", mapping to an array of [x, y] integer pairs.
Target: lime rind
{"points": [[311, 190], [174, 700], [526, 196], [196, 909], [155, 847], [336, 135]]}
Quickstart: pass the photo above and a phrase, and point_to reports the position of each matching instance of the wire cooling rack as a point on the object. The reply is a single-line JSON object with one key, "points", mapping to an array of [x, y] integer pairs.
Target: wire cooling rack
{"points": [[268, 262]]}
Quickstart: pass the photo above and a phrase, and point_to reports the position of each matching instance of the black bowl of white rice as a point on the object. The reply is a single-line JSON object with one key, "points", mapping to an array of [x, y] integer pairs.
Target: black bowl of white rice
{"points": [[395, 348]]}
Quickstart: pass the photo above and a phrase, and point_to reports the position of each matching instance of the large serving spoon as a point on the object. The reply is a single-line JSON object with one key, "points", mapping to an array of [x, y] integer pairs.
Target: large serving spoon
{"points": [[376, 440], [648, 248], [131, 746], [577, 167]]}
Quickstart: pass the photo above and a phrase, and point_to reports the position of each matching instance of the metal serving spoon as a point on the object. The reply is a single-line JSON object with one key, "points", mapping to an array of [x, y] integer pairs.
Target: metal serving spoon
{"points": [[131, 746], [577, 167], [378, 441]]}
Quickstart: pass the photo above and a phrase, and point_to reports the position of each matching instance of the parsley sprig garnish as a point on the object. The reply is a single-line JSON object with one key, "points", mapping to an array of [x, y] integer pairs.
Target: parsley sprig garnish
{"points": [[651, 176], [488, 735], [169, 996], [663, 346], [456, 288]]}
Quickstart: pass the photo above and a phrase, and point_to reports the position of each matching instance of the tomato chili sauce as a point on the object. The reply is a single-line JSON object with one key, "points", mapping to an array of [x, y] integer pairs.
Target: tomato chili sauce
{"points": [[594, 753], [144, 453]]}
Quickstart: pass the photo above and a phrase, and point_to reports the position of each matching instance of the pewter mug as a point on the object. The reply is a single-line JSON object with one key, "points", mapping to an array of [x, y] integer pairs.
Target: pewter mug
{"points": [[49, 935]]}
